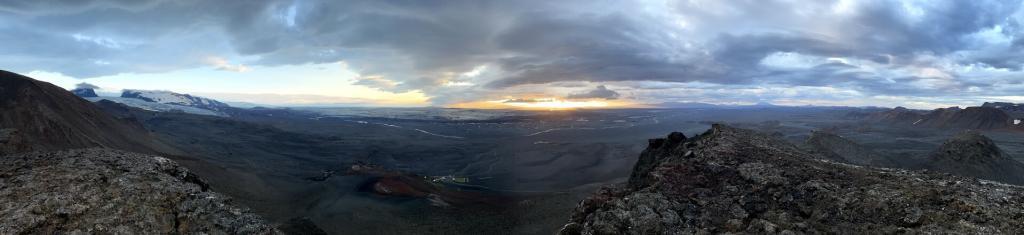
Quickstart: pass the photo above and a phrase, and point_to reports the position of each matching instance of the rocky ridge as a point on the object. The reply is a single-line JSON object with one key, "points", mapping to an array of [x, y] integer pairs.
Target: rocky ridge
{"points": [[103, 191], [731, 180]]}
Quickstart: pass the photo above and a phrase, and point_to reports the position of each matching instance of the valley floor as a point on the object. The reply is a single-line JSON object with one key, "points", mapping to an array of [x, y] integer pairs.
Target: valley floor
{"points": [[288, 164]]}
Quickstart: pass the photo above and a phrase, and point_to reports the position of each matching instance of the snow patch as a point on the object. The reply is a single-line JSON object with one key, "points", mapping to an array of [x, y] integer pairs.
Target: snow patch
{"points": [[158, 107], [167, 97]]}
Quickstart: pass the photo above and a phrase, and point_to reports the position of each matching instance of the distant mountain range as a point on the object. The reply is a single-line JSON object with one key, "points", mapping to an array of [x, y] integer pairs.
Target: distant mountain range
{"points": [[161, 101], [759, 105], [167, 97], [983, 117], [677, 105], [1008, 107], [690, 105]]}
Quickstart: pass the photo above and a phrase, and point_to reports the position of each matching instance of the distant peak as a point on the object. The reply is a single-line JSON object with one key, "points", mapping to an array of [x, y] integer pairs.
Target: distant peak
{"points": [[84, 92], [968, 146]]}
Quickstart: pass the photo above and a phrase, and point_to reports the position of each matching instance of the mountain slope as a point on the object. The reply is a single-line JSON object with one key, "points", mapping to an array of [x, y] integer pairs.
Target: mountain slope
{"points": [[972, 154], [970, 118], [1008, 107], [43, 117], [102, 191], [898, 115], [730, 180], [987, 118]]}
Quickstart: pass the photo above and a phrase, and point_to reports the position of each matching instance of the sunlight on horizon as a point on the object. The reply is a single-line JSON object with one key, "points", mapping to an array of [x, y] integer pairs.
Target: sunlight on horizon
{"points": [[553, 104]]}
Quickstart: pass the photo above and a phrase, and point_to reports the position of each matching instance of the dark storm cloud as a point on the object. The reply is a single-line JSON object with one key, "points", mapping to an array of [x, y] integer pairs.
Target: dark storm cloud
{"points": [[590, 48], [417, 45], [613, 48], [601, 92], [832, 73]]}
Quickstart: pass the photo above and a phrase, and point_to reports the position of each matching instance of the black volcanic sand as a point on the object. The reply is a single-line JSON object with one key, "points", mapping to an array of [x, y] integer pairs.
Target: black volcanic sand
{"points": [[540, 163]]}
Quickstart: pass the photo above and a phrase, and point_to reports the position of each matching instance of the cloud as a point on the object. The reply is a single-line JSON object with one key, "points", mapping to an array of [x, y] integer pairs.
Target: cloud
{"points": [[65, 6], [378, 82], [601, 92], [873, 48], [527, 100], [223, 64]]}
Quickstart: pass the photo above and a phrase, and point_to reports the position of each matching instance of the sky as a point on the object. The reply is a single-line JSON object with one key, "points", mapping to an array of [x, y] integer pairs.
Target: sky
{"points": [[495, 54]]}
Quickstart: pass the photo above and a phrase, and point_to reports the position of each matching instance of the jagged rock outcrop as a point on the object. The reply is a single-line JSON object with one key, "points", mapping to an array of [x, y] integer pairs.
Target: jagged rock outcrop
{"points": [[834, 147], [44, 117], [730, 180], [972, 154], [103, 191], [655, 153]]}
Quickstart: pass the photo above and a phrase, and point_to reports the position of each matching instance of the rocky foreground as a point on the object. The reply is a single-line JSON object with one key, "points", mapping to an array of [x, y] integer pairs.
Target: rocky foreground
{"points": [[102, 191], [730, 180]]}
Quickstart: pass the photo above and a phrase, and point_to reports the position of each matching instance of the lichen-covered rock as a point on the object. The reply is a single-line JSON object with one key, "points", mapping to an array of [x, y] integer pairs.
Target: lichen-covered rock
{"points": [[730, 180], [102, 191]]}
